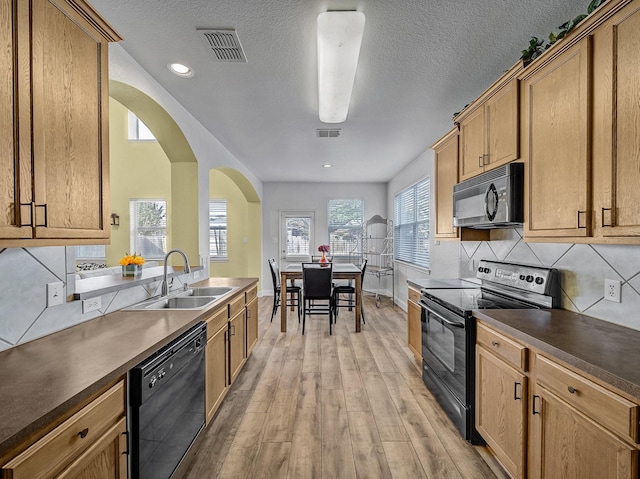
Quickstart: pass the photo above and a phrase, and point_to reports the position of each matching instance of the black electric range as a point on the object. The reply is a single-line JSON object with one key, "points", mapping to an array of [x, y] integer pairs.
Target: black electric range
{"points": [[449, 332]]}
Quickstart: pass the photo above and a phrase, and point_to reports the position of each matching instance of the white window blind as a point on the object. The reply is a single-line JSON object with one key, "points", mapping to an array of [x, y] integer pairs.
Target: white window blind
{"points": [[217, 229], [148, 228], [91, 252], [411, 230], [345, 227]]}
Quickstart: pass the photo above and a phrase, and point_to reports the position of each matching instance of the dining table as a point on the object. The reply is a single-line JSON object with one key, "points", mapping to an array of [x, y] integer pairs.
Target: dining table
{"points": [[350, 271]]}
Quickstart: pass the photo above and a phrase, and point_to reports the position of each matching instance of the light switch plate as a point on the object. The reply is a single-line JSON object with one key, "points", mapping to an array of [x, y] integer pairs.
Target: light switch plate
{"points": [[55, 294]]}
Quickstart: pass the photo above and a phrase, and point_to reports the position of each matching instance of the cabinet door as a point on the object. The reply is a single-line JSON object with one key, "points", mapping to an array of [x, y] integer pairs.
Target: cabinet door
{"points": [[15, 160], [472, 143], [105, 459], [446, 169], [616, 127], [237, 343], [217, 370], [569, 444], [414, 327], [502, 117], [556, 135], [70, 123], [501, 410], [252, 325]]}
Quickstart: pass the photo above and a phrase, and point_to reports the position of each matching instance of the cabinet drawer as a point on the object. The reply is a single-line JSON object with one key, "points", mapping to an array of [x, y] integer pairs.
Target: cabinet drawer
{"points": [[217, 320], [603, 406], [236, 306], [507, 349], [251, 294], [414, 295], [49, 455]]}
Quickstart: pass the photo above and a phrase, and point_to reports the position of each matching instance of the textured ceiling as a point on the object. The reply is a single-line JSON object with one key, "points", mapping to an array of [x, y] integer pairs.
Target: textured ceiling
{"points": [[420, 62]]}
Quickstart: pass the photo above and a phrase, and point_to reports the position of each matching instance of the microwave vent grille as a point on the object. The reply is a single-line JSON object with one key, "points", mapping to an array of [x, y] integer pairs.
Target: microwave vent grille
{"points": [[490, 175]]}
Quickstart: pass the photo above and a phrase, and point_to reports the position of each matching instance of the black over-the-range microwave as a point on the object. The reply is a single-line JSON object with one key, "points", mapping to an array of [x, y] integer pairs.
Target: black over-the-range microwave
{"points": [[494, 199]]}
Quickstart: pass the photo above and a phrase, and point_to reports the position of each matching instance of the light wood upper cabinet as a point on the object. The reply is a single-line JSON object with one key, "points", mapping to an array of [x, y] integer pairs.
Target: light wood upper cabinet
{"points": [[58, 190], [616, 124], [446, 171], [555, 107], [489, 129]]}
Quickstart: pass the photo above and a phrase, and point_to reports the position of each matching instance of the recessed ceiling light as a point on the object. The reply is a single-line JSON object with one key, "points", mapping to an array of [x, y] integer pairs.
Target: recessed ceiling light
{"points": [[327, 165], [180, 69]]}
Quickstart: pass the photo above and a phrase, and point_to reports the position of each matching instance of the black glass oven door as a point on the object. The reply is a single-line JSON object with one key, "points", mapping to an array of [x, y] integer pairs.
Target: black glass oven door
{"points": [[443, 349]]}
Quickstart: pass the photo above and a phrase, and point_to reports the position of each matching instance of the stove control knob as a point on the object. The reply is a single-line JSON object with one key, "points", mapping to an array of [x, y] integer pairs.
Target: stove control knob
{"points": [[481, 269], [522, 277], [487, 270], [152, 382], [529, 279], [539, 280]]}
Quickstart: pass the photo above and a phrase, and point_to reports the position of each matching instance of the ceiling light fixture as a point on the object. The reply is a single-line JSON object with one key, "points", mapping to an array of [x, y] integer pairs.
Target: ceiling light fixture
{"points": [[339, 40], [327, 165], [180, 69]]}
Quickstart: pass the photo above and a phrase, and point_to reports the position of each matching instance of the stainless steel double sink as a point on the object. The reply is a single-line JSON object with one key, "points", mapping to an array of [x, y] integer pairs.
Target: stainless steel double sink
{"points": [[192, 298]]}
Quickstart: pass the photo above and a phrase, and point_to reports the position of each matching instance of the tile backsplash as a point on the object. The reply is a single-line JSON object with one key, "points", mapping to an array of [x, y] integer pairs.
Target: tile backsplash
{"points": [[583, 269], [24, 274]]}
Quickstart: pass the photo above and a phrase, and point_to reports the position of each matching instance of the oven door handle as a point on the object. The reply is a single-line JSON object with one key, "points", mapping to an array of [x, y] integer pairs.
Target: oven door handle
{"points": [[442, 319]]}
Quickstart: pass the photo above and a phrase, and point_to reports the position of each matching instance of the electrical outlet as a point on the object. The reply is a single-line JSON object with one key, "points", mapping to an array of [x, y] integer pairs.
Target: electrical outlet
{"points": [[612, 290], [196, 274], [55, 294], [91, 304]]}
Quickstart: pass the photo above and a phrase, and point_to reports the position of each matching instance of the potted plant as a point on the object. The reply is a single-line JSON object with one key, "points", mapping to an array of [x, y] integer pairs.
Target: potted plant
{"points": [[131, 265]]}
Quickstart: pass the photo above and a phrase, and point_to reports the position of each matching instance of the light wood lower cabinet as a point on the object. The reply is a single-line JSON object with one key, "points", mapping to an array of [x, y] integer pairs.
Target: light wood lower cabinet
{"points": [[232, 331], [252, 325], [217, 367], [569, 444], [543, 420], [90, 444], [501, 410], [237, 343], [414, 327]]}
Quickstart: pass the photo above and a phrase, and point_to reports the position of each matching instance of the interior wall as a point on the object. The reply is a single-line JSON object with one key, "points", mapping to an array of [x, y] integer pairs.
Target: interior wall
{"points": [[138, 169], [279, 197], [242, 242], [443, 255]]}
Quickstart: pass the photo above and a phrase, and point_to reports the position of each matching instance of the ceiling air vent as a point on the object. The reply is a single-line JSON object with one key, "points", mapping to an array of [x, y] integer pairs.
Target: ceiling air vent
{"points": [[335, 133], [223, 45]]}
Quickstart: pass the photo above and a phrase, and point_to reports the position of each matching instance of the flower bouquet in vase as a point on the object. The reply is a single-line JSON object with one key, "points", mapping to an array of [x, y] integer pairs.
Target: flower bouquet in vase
{"points": [[131, 265], [323, 248]]}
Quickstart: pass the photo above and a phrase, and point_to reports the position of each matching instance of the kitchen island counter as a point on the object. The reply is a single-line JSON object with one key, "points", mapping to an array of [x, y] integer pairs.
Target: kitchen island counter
{"points": [[607, 351], [44, 380]]}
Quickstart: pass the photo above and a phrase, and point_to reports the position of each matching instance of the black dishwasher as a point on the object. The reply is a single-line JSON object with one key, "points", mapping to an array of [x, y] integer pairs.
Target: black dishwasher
{"points": [[167, 405]]}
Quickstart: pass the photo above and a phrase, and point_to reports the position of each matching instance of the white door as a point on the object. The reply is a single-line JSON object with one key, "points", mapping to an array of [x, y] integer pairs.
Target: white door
{"points": [[296, 236]]}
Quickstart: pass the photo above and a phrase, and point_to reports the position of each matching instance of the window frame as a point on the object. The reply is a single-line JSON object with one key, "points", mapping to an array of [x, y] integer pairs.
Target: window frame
{"points": [[215, 257], [133, 228], [407, 239], [355, 229]]}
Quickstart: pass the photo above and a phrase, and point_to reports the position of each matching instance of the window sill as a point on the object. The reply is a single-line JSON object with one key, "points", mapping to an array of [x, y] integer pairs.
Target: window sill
{"points": [[109, 283]]}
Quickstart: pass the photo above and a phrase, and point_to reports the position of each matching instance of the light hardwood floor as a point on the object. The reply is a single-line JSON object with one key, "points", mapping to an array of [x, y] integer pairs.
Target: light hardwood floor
{"points": [[350, 405]]}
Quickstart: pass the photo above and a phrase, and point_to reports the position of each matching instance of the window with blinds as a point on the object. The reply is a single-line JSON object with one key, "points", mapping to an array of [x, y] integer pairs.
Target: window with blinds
{"points": [[218, 229], [345, 227], [148, 228], [411, 227]]}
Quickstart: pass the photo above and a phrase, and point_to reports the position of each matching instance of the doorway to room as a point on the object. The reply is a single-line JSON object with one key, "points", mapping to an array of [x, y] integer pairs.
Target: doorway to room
{"points": [[296, 236]]}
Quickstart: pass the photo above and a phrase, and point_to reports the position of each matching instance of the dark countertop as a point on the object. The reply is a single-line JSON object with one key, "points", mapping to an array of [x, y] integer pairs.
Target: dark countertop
{"points": [[441, 283], [604, 350], [43, 379]]}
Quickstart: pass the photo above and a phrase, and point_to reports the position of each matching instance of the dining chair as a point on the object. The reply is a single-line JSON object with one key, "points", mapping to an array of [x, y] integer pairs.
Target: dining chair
{"points": [[349, 290], [317, 291], [289, 290]]}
